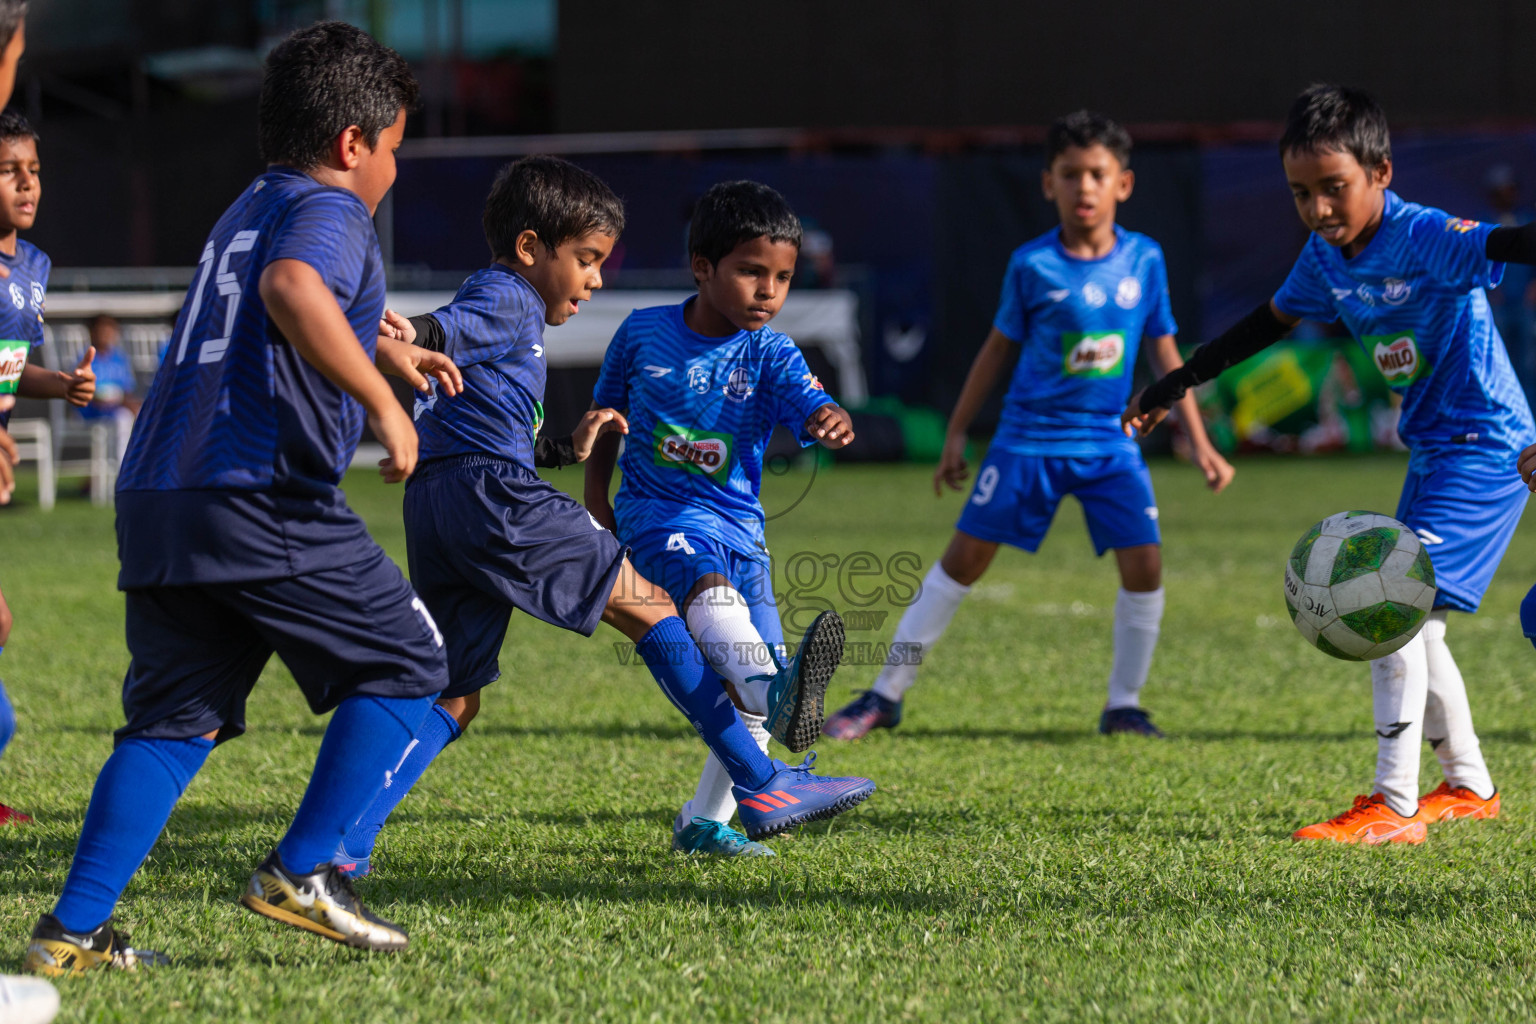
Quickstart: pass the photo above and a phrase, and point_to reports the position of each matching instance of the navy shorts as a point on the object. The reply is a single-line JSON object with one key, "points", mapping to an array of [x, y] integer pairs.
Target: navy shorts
{"points": [[485, 536], [197, 650], [676, 561], [1015, 498], [1465, 514]]}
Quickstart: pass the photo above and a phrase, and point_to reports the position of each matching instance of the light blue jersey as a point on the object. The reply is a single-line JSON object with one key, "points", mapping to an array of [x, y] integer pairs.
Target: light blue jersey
{"points": [[1079, 324], [700, 413], [1414, 300]]}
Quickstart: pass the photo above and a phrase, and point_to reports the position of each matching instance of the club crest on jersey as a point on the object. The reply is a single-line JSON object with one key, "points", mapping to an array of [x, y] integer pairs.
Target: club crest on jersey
{"points": [[1093, 295], [1128, 293], [1398, 358], [18, 297], [37, 296], [13, 357], [695, 451], [698, 378], [739, 384], [1395, 291], [1459, 225], [1099, 354]]}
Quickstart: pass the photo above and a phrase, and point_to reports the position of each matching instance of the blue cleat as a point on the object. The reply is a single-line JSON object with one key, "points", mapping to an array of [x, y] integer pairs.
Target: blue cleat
{"points": [[797, 692], [1132, 720], [794, 796], [714, 839], [868, 711]]}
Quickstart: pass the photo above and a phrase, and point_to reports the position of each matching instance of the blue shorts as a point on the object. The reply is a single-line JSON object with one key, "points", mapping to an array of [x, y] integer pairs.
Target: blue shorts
{"points": [[1466, 516], [197, 650], [676, 561], [485, 536], [1015, 499]]}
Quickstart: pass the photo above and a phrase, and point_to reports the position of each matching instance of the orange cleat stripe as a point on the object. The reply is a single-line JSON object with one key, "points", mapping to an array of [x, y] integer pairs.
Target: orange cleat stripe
{"points": [[755, 805], [785, 796], [775, 804]]}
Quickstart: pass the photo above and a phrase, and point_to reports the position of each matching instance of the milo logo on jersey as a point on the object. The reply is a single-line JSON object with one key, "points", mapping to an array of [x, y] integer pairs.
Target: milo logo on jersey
{"points": [[1397, 357], [13, 356], [1100, 354], [696, 451]]}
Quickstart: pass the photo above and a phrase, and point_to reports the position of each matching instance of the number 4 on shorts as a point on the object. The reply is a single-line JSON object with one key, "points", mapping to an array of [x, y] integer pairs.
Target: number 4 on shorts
{"points": [[678, 542]]}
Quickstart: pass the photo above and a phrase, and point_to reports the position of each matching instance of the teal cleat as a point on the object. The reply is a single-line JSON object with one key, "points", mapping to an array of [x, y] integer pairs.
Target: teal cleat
{"points": [[797, 692], [714, 839]]}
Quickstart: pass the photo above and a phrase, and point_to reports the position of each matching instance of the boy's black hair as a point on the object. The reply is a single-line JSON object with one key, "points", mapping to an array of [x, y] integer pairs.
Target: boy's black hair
{"points": [[1338, 119], [14, 126], [1084, 128], [551, 197], [320, 80], [734, 212], [11, 14]]}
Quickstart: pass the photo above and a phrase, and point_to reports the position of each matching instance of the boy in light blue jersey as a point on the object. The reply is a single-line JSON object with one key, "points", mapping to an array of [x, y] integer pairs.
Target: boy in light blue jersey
{"points": [[703, 385], [1076, 303], [1409, 282]]}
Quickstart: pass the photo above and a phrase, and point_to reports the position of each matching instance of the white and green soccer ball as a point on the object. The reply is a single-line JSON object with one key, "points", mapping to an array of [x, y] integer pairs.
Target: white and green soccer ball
{"points": [[1359, 585]]}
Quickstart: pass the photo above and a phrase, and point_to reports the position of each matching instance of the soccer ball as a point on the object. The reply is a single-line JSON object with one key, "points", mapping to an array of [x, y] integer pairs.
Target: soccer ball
{"points": [[1359, 585]]}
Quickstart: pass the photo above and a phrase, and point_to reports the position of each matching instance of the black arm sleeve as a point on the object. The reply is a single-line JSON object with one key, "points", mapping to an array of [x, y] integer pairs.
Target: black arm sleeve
{"points": [[1249, 336], [553, 452], [429, 333], [1512, 245]]}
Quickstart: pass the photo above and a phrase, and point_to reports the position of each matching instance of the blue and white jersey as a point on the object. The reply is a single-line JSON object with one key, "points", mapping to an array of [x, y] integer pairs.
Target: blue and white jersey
{"points": [[21, 313], [494, 330], [700, 413], [1079, 324], [235, 417], [1414, 300]]}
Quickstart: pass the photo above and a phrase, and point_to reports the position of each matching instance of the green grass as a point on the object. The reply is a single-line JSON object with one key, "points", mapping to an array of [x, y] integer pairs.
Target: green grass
{"points": [[1013, 866]]}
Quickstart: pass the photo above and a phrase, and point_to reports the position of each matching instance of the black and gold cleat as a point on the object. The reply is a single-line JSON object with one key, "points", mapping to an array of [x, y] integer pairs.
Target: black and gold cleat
{"points": [[56, 952], [323, 903], [797, 692]]}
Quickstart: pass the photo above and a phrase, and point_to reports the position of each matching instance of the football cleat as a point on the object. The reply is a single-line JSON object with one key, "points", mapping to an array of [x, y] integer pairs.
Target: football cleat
{"points": [[1369, 821], [1132, 720], [714, 839], [27, 1000], [867, 712], [56, 952], [797, 692], [323, 902], [350, 864], [11, 816], [794, 796], [1447, 803]]}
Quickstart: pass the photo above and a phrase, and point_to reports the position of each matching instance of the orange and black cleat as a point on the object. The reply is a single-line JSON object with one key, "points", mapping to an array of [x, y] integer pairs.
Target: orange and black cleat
{"points": [[1370, 821], [1447, 803]]}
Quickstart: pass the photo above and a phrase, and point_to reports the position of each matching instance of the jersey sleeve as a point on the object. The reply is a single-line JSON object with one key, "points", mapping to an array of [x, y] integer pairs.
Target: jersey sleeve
{"points": [[1454, 251], [330, 230], [1305, 294], [1011, 314], [1160, 317], [797, 392], [612, 390], [484, 322]]}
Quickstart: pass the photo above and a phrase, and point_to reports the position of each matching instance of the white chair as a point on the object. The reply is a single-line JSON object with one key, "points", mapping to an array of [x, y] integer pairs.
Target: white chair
{"points": [[62, 348], [34, 442]]}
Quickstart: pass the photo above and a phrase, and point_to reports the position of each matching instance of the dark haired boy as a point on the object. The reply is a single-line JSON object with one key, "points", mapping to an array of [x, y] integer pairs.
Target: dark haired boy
{"points": [[703, 384], [1409, 282], [485, 535], [234, 538], [1076, 303]]}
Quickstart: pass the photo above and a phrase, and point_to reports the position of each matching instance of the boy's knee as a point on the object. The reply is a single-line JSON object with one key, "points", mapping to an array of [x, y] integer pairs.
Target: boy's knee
{"points": [[463, 709], [5, 623]]}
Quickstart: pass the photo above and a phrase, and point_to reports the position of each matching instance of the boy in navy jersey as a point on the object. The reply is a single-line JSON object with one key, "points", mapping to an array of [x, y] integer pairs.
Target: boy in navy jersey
{"points": [[1409, 282], [486, 536], [703, 385], [1076, 303], [234, 537]]}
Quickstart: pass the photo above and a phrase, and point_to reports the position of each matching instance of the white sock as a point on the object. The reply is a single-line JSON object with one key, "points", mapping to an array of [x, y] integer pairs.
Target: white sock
{"points": [[721, 624], [713, 799], [1138, 617], [1448, 716], [924, 621], [1399, 688]]}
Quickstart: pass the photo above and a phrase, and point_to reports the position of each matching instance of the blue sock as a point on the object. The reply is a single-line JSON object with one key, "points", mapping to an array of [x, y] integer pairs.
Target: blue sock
{"points": [[675, 661], [362, 743], [437, 731], [7, 720], [135, 793]]}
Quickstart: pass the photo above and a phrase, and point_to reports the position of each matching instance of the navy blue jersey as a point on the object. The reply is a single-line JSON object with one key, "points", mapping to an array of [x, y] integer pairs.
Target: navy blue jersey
{"points": [[233, 466], [21, 313], [1079, 324], [494, 330]]}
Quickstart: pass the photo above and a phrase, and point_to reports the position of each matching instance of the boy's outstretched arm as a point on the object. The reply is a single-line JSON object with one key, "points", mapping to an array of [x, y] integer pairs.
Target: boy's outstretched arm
{"points": [[303, 308], [1512, 244], [1251, 335], [1165, 358], [831, 425], [604, 456], [995, 355], [77, 386]]}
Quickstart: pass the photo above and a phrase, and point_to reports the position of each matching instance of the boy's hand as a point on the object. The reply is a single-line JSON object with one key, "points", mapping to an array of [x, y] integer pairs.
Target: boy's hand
{"points": [[1218, 471], [831, 425], [397, 328], [952, 468], [406, 361], [1133, 421], [396, 432], [1527, 466], [593, 425], [80, 386], [9, 456]]}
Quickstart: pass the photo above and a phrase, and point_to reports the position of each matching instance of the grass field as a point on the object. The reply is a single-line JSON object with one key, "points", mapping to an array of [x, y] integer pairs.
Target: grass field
{"points": [[1013, 866]]}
